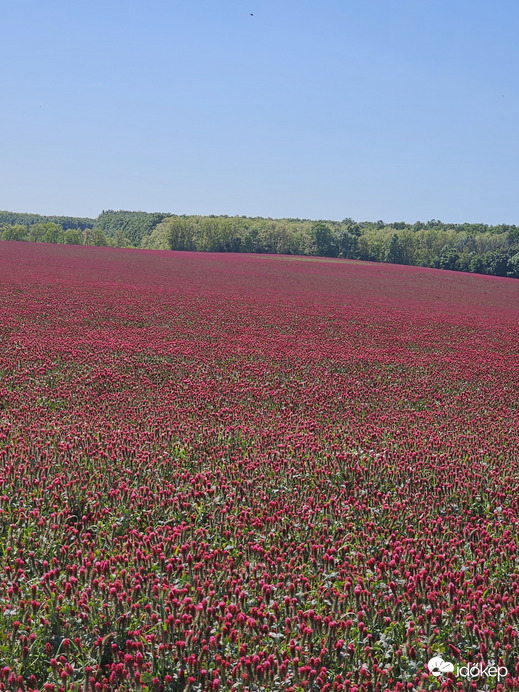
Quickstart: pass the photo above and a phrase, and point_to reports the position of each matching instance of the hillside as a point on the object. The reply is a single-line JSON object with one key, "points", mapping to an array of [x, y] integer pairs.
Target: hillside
{"points": [[475, 248]]}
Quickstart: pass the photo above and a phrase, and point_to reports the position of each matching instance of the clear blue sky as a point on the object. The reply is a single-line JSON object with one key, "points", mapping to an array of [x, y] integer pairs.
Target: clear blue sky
{"points": [[400, 110]]}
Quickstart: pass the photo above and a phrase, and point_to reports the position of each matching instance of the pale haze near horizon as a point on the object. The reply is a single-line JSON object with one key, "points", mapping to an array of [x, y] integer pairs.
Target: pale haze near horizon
{"points": [[400, 110]]}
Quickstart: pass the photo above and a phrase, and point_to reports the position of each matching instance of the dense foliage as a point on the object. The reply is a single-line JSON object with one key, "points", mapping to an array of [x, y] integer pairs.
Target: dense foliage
{"points": [[10, 218], [225, 472], [129, 227], [476, 248]]}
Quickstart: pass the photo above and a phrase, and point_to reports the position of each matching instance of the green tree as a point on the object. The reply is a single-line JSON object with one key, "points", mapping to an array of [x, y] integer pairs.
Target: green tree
{"points": [[324, 241], [95, 236], [73, 236], [448, 258], [45, 232], [513, 236], [14, 232], [496, 263], [179, 233], [513, 263], [135, 225], [394, 251], [120, 240], [371, 246], [464, 260], [347, 245], [476, 265], [35, 233]]}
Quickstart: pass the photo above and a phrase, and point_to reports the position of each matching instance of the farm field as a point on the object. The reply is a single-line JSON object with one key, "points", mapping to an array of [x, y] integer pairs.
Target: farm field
{"points": [[232, 472]]}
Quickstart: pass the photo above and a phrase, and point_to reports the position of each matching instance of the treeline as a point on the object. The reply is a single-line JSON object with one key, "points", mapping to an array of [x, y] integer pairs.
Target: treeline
{"points": [[462, 247], [477, 248], [10, 218]]}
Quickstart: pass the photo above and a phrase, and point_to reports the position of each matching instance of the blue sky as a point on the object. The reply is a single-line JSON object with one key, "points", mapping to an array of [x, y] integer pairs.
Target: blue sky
{"points": [[400, 110]]}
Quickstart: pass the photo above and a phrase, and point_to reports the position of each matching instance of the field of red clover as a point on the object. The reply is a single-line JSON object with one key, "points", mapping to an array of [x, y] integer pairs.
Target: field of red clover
{"points": [[228, 472]]}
